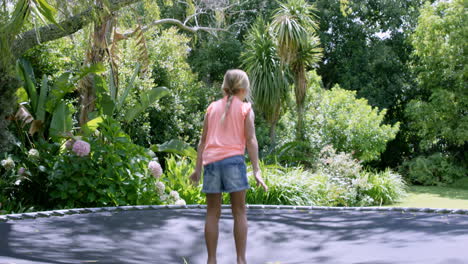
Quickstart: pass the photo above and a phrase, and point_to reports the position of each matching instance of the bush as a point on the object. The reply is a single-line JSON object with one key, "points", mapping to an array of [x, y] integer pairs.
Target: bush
{"points": [[436, 169], [349, 124], [176, 177], [25, 187], [113, 173], [385, 187], [335, 117], [285, 186], [338, 181]]}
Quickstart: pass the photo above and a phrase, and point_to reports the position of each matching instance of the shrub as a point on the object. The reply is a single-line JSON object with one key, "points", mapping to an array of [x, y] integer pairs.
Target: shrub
{"points": [[384, 188], [113, 173], [25, 187], [339, 180], [286, 186], [436, 169], [350, 124], [176, 177]]}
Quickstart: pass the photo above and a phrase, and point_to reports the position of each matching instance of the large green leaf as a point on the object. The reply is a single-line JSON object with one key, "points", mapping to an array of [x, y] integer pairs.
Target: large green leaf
{"points": [[26, 74], [92, 125], [177, 147], [61, 121], [146, 100], [18, 18], [113, 88], [105, 103], [44, 10], [129, 87], [94, 68], [40, 111], [61, 87]]}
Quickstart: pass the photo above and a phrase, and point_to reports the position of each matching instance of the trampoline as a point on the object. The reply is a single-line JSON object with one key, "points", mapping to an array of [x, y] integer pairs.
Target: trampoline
{"points": [[277, 235]]}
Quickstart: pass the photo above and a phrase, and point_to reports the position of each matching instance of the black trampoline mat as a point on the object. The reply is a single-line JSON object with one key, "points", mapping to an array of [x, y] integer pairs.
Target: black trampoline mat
{"points": [[276, 236]]}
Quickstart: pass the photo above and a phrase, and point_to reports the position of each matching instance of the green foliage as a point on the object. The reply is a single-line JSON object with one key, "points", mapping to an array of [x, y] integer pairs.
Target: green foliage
{"points": [[268, 79], [180, 114], [222, 51], [293, 23], [349, 124], [47, 112], [177, 147], [176, 177], [435, 169], [294, 153], [114, 173], [384, 187], [440, 53], [338, 181], [25, 187], [285, 187]]}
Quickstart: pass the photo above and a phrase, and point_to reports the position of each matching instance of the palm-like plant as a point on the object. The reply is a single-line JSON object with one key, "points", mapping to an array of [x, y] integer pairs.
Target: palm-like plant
{"points": [[268, 78], [298, 46]]}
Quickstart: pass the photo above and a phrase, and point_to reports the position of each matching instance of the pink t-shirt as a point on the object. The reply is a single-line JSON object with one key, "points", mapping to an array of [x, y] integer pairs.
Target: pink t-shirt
{"points": [[225, 139]]}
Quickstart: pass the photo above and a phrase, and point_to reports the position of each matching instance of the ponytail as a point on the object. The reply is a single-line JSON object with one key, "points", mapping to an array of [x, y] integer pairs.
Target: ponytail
{"points": [[228, 105], [234, 81]]}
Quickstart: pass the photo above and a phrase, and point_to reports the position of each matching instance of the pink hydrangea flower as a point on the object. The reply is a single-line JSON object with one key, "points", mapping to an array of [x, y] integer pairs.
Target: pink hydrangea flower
{"points": [[81, 148], [155, 168]]}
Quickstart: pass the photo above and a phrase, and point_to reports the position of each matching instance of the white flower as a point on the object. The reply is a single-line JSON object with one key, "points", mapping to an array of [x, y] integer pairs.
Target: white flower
{"points": [[17, 182], [174, 195], [163, 197], [180, 202], [160, 187], [33, 153], [8, 163]]}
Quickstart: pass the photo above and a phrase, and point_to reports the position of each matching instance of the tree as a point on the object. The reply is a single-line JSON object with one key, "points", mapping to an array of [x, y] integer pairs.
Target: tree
{"points": [[14, 42], [298, 46], [439, 114], [366, 49], [268, 78]]}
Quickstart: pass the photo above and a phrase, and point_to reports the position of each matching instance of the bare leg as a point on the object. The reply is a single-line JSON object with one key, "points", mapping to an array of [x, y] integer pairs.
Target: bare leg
{"points": [[213, 212], [240, 224]]}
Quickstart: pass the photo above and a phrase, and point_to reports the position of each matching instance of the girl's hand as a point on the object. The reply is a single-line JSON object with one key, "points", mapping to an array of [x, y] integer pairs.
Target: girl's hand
{"points": [[195, 178], [259, 179]]}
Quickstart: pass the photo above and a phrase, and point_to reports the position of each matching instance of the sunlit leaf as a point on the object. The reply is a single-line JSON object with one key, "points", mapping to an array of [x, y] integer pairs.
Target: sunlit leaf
{"points": [[177, 147]]}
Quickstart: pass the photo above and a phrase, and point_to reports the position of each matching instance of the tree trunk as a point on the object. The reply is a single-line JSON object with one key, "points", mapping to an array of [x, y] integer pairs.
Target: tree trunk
{"points": [[300, 83], [95, 55], [272, 136], [8, 85]]}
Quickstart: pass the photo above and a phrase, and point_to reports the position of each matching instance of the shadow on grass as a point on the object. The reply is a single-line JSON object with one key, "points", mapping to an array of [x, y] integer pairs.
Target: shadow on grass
{"points": [[446, 192]]}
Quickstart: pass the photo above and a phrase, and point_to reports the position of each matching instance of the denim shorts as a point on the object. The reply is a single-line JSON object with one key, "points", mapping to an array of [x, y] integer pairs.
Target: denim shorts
{"points": [[227, 175]]}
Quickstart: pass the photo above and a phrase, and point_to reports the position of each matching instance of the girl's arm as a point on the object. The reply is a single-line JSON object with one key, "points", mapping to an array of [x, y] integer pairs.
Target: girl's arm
{"points": [[252, 148], [195, 177]]}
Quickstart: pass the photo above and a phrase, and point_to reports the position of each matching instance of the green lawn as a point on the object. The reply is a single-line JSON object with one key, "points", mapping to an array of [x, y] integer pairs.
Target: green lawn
{"points": [[435, 197]]}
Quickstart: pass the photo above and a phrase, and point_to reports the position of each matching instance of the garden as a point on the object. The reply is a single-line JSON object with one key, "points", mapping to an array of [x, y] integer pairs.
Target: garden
{"points": [[357, 103]]}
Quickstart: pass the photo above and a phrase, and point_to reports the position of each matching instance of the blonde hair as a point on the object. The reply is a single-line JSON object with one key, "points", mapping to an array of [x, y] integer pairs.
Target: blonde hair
{"points": [[234, 81]]}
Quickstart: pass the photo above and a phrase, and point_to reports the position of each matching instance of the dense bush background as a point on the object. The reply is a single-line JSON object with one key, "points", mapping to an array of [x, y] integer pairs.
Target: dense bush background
{"points": [[388, 95]]}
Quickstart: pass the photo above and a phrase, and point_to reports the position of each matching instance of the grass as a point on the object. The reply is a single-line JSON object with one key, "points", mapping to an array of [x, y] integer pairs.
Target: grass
{"points": [[436, 197]]}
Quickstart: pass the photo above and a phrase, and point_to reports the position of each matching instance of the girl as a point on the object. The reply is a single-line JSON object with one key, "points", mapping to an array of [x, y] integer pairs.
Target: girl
{"points": [[228, 129]]}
